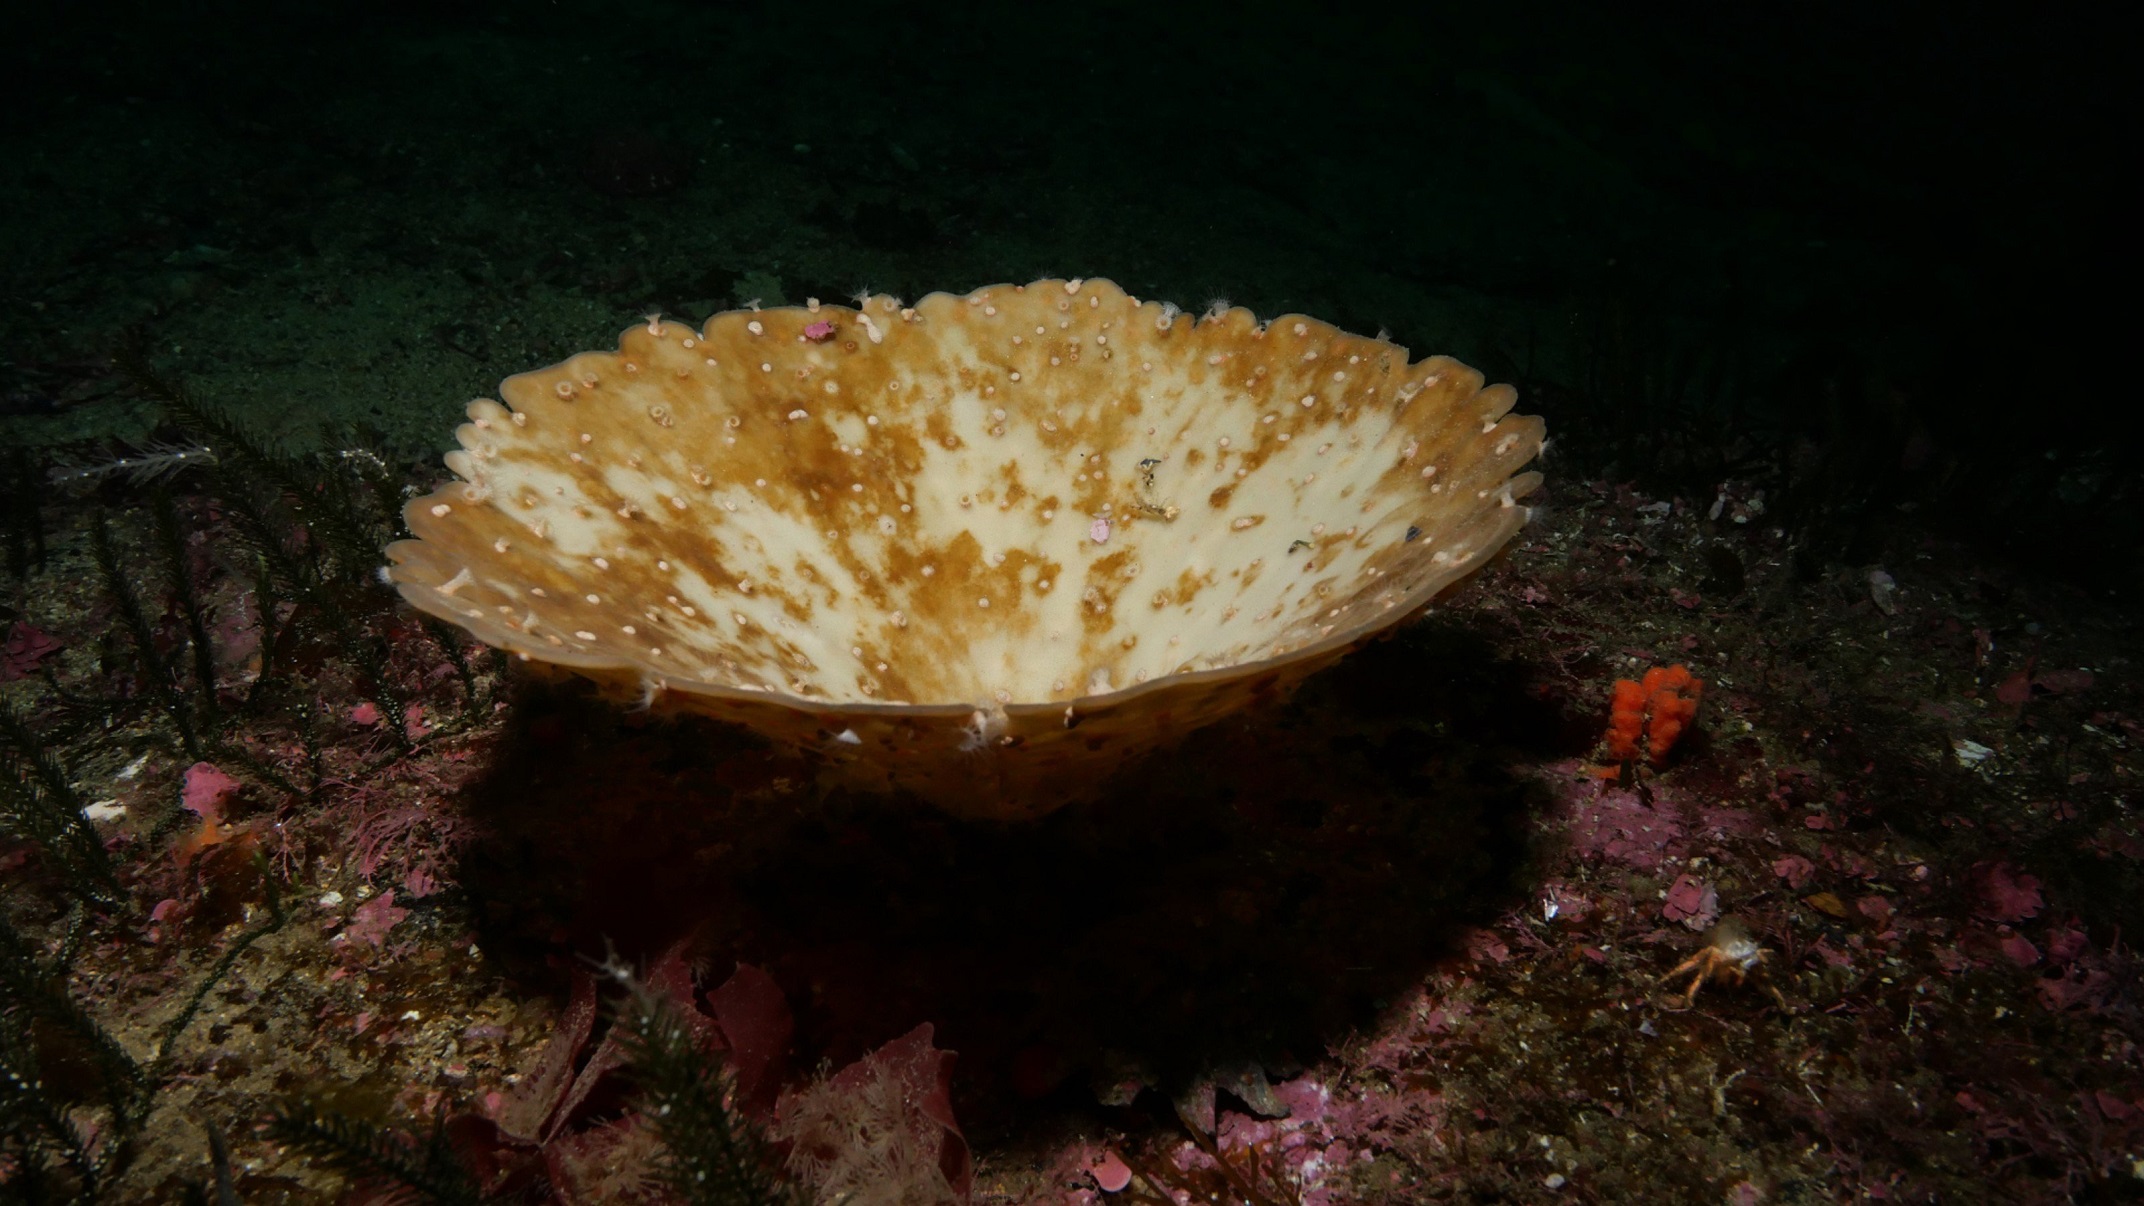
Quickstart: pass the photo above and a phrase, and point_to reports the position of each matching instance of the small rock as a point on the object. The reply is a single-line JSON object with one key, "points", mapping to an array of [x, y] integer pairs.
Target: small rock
{"points": [[1883, 591]]}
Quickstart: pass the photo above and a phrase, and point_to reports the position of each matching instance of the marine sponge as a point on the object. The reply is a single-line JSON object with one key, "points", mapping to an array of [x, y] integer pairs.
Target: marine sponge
{"points": [[985, 548], [1660, 707]]}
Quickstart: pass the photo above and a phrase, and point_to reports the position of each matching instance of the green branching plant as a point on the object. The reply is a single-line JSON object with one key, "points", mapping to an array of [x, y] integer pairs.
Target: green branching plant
{"points": [[315, 523], [38, 1140], [69, 713], [310, 527], [371, 657], [159, 679], [22, 521], [38, 802], [187, 699], [430, 1169], [292, 568], [36, 1009], [713, 1156], [53, 1139], [268, 615], [179, 581], [444, 635], [337, 497], [329, 612], [224, 1186], [306, 717], [167, 1040]]}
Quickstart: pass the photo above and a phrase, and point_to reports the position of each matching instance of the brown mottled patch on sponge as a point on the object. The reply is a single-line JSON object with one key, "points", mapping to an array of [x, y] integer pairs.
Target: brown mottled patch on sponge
{"points": [[918, 539]]}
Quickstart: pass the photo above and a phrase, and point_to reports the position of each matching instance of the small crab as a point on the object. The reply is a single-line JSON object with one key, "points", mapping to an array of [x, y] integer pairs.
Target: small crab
{"points": [[1729, 955]]}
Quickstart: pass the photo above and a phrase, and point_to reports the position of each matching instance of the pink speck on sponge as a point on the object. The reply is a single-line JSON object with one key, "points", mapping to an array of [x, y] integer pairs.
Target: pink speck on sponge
{"points": [[819, 332], [1099, 530]]}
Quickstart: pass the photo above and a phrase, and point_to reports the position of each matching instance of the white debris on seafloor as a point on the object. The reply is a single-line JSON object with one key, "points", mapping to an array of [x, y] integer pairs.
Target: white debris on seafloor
{"points": [[1883, 591]]}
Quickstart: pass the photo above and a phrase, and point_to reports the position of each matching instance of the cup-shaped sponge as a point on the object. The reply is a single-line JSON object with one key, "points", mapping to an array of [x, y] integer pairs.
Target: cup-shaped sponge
{"points": [[984, 548]]}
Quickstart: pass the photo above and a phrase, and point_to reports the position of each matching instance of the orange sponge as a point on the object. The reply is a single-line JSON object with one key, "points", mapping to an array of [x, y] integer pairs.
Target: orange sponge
{"points": [[1626, 720], [1658, 708]]}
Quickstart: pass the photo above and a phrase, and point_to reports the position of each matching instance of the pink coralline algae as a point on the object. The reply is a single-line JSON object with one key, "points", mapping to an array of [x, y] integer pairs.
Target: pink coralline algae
{"points": [[1485, 947], [1693, 902], [374, 918], [2021, 950], [2025, 684], [1793, 868], [1323, 1133], [1620, 827], [1110, 1172], [24, 652], [205, 791], [2008, 895], [819, 332]]}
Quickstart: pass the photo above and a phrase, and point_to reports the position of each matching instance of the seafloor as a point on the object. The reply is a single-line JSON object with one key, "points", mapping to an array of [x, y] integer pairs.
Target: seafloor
{"points": [[1399, 939], [1405, 901]]}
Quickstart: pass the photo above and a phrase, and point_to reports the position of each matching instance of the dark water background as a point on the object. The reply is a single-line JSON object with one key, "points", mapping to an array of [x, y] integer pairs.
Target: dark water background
{"points": [[1856, 251]]}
